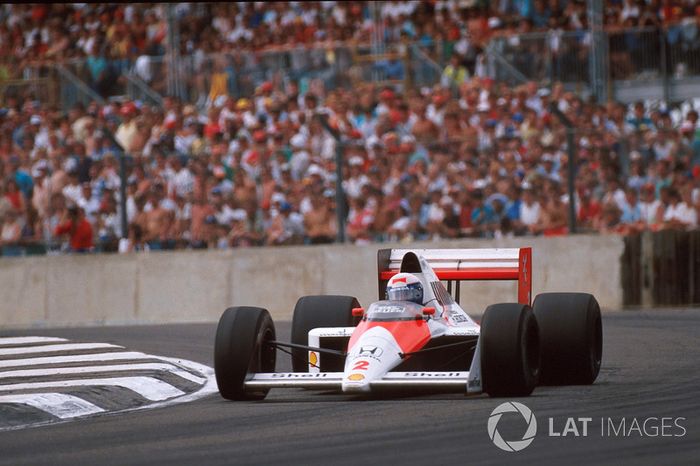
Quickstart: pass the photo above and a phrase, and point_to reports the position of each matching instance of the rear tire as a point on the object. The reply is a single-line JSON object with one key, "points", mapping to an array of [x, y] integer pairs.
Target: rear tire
{"points": [[240, 349], [318, 311], [571, 335], [510, 351]]}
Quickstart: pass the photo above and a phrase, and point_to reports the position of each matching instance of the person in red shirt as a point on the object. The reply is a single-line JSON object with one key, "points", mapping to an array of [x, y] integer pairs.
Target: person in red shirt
{"points": [[79, 229], [589, 209], [14, 195]]}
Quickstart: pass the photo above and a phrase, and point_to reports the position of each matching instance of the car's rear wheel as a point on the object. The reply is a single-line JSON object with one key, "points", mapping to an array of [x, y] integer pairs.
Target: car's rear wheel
{"points": [[242, 348], [319, 311], [571, 335], [510, 351]]}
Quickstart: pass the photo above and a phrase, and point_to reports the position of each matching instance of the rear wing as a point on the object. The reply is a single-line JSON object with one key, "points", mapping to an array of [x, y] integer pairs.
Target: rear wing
{"points": [[465, 264]]}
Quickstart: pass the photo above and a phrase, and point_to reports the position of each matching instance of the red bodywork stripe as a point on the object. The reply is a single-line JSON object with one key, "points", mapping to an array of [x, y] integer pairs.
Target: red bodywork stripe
{"points": [[482, 273], [410, 335]]}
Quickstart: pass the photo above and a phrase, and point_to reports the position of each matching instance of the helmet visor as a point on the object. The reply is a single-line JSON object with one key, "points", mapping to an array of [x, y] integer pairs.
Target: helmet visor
{"points": [[413, 292]]}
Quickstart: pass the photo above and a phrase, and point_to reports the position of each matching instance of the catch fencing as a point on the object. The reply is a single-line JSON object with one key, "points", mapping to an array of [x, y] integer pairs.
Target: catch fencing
{"points": [[640, 63], [661, 268]]}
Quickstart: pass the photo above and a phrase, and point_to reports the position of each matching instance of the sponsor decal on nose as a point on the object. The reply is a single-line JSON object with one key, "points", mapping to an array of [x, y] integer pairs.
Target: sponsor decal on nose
{"points": [[369, 350]]}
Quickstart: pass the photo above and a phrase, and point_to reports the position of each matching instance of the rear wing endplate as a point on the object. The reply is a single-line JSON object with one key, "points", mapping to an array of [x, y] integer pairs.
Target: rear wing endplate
{"points": [[466, 264]]}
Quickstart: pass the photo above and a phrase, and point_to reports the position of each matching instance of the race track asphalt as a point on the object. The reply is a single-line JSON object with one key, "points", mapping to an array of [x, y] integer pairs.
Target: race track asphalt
{"points": [[651, 369]]}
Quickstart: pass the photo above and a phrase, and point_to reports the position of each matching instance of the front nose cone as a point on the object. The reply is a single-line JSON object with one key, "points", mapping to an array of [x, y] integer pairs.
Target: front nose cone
{"points": [[373, 355], [356, 383]]}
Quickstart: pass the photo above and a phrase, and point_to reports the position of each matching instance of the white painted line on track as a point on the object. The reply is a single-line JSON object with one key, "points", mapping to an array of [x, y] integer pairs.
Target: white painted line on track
{"points": [[148, 387], [115, 356], [96, 369], [12, 341], [209, 388], [65, 407], [55, 348], [57, 404]]}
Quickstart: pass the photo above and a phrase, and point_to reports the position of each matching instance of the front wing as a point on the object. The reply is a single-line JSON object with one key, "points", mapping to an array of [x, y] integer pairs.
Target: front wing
{"points": [[467, 382], [457, 382]]}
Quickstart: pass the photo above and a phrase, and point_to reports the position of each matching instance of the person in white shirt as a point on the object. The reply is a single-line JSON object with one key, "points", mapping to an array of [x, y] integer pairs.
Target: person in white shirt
{"points": [[664, 146], [357, 179], [72, 191], [529, 209], [686, 211], [648, 205], [614, 194], [680, 212], [300, 160], [89, 203], [186, 136], [108, 222], [182, 180], [142, 68], [629, 10]]}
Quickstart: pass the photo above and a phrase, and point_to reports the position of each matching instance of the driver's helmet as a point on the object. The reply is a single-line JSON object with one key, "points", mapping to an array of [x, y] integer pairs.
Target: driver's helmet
{"points": [[405, 287]]}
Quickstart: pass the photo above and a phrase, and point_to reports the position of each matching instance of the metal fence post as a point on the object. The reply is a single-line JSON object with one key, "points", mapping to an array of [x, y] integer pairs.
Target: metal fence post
{"points": [[122, 181], [339, 192], [571, 149], [173, 53], [647, 275], [598, 62]]}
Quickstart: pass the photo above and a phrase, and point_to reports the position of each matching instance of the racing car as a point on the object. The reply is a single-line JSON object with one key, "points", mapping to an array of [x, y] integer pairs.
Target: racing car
{"points": [[417, 336]]}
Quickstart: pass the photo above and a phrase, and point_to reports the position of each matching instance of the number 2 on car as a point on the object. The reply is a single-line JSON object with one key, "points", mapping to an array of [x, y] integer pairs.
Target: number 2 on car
{"points": [[360, 366]]}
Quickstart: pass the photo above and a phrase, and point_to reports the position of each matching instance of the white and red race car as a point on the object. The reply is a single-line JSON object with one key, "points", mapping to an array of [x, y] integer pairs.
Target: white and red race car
{"points": [[429, 345]]}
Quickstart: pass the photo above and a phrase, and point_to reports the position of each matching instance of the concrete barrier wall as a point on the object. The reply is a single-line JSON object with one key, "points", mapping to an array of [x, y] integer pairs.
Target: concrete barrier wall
{"points": [[196, 286]]}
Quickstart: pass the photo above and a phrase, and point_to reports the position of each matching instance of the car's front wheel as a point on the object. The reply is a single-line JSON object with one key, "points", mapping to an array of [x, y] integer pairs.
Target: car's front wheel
{"points": [[242, 348]]}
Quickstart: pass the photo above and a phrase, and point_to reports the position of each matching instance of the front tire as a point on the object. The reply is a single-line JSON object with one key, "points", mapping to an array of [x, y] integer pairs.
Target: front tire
{"points": [[571, 333], [510, 351], [313, 312], [241, 349]]}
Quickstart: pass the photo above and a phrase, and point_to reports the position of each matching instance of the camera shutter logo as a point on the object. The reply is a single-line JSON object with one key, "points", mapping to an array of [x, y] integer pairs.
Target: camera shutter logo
{"points": [[512, 407]]}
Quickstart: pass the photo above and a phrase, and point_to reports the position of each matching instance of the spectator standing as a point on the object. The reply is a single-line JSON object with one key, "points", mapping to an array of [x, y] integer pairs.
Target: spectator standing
{"points": [[10, 234], [455, 73], [529, 211], [77, 228]]}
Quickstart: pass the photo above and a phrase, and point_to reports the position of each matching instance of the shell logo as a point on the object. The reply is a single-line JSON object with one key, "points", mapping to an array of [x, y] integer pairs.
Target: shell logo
{"points": [[356, 377], [313, 358]]}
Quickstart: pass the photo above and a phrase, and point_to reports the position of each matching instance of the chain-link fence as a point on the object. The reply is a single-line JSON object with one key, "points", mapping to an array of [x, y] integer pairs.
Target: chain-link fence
{"points": [[644, 56], [635, 59], [149, 78]]}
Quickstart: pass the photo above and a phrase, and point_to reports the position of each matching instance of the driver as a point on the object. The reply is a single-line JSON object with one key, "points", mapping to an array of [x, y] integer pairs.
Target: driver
{"points": [[405, 287]]}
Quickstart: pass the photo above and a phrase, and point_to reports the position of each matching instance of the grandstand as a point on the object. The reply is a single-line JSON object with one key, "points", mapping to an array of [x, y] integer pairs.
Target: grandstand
{"points": [[128, 127]]}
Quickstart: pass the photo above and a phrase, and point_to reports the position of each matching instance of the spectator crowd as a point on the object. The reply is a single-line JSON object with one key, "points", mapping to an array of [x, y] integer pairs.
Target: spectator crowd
{"points": [[419, 164], [110, 39], [468, 157]]}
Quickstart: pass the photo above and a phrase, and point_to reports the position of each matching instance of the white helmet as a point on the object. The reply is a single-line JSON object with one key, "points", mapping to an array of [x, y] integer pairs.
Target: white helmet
{"points": [[405, 287]]}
